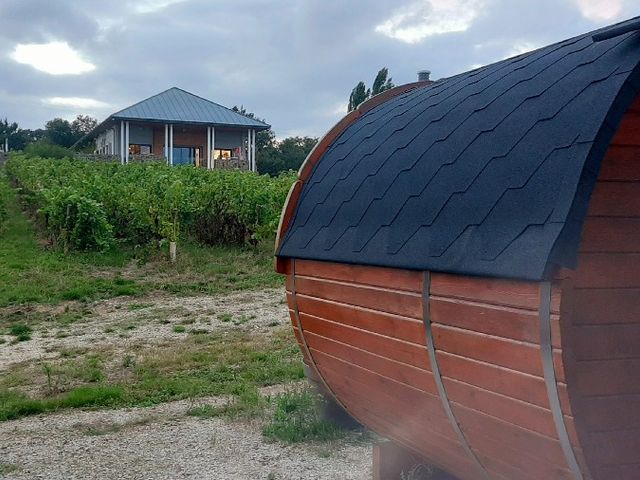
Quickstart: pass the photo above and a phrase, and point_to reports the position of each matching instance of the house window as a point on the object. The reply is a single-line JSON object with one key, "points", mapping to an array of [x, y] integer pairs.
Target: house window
{"points": [[186, 155], [222, 153], [139, 149]]}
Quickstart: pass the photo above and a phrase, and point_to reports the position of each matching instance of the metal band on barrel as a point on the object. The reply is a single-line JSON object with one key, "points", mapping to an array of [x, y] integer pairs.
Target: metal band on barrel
{"points": [[546, 350], [435, 369]]}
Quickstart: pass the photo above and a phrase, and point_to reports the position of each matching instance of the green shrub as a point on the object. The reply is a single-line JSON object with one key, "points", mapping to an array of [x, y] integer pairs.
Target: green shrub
{"points": [[89, 206], [47, 150]]}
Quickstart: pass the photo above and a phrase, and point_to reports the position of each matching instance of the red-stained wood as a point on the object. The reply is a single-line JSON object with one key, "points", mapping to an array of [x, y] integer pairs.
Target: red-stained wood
{"points": [[619, 472], [516, 412], [487, 290], [507, 322], [522, 442], [615, 199], [621, 163], [611, 235], [608, 270], [606, 342], [608, 377], [391, 348], [509, 293], [616, 447], [611, 413], [395, 326], [400, 372], [520, 356], [527, 388], [524, 464], [373, 276], [605, 306], [413, 409], [629, 130], [385, 300]]}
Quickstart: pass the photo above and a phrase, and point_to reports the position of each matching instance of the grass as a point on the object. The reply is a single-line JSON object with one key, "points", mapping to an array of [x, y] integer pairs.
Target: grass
{"points": [[21, 331], [6, 468], [232, 363], [297, 418], [245, 404], [33, 273]]}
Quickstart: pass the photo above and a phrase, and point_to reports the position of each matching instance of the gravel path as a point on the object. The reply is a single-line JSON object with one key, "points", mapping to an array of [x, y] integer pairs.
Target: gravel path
{"points": [[162, 443]]}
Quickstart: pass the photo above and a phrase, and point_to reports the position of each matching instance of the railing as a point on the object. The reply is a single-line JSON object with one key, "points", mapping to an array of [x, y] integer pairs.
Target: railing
{"points": [[232, 163]]}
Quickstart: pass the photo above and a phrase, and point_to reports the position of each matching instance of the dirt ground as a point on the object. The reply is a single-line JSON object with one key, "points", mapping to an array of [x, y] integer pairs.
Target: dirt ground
{"points": [[122, 323], [160, 442], [163, 443]]}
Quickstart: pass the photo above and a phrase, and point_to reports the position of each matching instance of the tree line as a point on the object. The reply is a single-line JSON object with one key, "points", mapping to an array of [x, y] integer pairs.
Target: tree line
{"points": [[58, 131]]}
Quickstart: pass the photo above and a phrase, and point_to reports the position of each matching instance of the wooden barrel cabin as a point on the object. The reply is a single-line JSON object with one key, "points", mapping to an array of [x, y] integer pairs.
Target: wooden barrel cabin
{"points": [[463, 264]]}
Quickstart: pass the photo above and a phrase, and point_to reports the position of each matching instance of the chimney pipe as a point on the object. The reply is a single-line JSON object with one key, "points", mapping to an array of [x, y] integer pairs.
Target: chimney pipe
{"points": [[423, 75]]}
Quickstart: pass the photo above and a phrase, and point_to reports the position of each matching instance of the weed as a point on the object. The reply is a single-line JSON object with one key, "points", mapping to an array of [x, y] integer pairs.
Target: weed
{"points": [[6, 468], [198, 331], [128, 361], [21, 331], [297, 418], [242, 319], [225, 317], [179, 328]]}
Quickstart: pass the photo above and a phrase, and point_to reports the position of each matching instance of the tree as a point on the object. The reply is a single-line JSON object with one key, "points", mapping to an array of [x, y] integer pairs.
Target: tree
{"points": [[264, 138], [382, 82], [294, 150], [60, 132], [274, 157], [83, 124], [361, 93], [7, 131]]}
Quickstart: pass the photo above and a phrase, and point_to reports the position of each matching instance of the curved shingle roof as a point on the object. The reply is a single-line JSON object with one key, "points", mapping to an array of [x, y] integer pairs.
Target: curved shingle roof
{"points": [[485, 173]]}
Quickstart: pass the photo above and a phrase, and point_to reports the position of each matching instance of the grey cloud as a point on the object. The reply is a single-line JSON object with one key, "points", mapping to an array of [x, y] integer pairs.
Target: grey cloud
{"points": [[290, 61]]}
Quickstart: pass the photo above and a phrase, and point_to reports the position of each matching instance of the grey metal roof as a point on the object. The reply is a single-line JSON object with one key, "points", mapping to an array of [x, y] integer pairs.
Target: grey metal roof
{"points": [[486, 173], [179, 106]]}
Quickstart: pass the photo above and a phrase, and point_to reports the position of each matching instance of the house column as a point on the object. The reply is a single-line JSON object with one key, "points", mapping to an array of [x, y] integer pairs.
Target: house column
{"points": [[249, 148], [213, 146], [253, 150], [126, 143], [166, 141], [121, 142], [6, 144], [208, 148], [171, 144]]}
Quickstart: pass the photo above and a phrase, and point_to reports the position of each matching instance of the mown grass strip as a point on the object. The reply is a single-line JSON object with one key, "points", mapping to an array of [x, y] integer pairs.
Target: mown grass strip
{"points": [[201, 365]]}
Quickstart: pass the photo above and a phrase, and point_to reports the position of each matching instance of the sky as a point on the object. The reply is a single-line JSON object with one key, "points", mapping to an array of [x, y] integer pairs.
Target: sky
{"points": [[291, 62]]}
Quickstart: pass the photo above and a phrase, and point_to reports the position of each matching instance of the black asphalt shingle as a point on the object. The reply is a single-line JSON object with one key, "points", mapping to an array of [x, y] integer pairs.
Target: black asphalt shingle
{"points": [[485, 173]]}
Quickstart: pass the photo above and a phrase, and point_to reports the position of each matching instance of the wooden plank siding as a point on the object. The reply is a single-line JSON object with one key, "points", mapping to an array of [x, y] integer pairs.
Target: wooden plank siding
{"points": [[487, 338], [601, 314], [365, 331]]}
